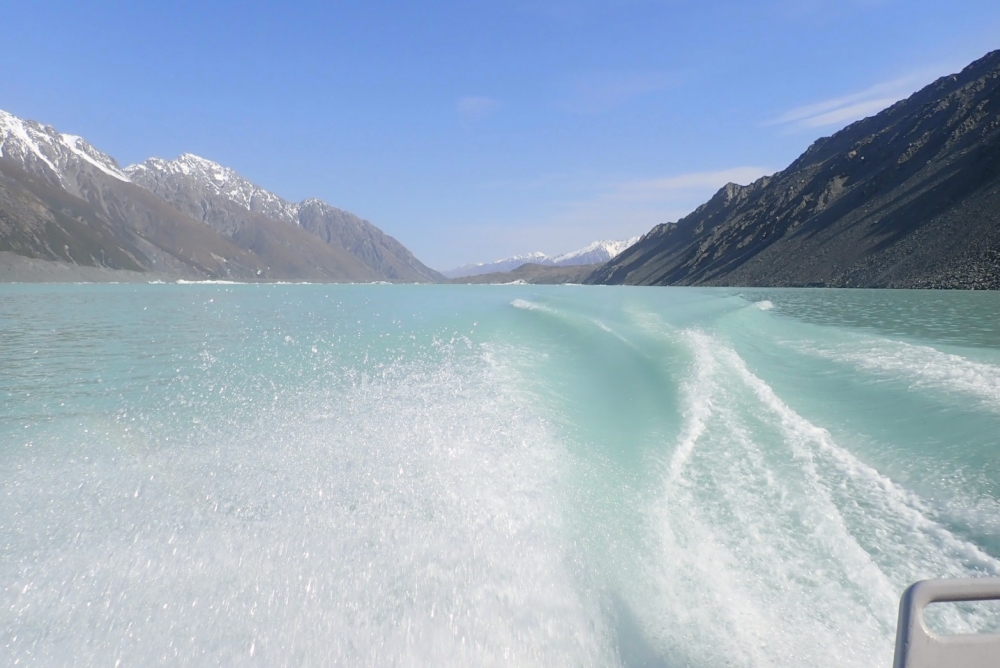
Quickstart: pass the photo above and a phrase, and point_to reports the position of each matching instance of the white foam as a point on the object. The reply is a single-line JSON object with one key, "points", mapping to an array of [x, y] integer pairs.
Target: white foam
{"points": [[777, 546], [526, 305], [605, 328], [764, 305], [361, 502], [402, 514], [893, 498], [697, 409], [923, 367]]}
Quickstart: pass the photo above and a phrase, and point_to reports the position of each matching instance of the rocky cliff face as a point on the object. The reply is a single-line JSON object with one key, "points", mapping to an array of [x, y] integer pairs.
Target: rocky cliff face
{"points": [[63, 200], [365, 241], [208, 192], [245, 212], [64, 160], [909, 198]]}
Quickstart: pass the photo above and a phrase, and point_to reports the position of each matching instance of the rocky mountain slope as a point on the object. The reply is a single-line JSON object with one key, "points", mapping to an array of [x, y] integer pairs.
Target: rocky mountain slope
{"points": [[240, 210], [909, 198], [63, 200]]}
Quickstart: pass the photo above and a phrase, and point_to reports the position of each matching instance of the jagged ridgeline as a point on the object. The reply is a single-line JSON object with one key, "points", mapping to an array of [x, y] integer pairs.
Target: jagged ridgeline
{"points": [[909, 198], [63, 200]]}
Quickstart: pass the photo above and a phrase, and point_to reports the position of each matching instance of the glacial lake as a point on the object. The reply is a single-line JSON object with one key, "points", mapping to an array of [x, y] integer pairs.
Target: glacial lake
{"points": [[489, 475]]}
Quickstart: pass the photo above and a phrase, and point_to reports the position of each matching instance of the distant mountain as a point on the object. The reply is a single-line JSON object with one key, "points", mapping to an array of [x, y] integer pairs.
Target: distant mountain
{"points": [[536, 274], [909, 198], [595, 253], [63, 200], [497, 266], [238, 209]]}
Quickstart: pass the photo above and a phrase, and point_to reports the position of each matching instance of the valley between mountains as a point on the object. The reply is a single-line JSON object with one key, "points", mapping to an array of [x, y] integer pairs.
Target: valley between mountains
{"points": [[908, 198]]}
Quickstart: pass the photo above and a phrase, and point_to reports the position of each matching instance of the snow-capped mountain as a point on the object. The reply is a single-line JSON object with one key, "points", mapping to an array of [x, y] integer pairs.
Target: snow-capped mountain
{"points": [[63, 200], [595, 253], [155, 173], [222, 199], [58, 157], [498, 266]]}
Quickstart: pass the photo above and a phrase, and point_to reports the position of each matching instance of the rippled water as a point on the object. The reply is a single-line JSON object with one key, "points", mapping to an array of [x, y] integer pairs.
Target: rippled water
{"points": [[489, 475]]}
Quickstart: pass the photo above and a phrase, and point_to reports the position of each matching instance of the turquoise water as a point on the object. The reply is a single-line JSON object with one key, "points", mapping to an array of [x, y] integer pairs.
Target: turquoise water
{"points": [[489, 475]]}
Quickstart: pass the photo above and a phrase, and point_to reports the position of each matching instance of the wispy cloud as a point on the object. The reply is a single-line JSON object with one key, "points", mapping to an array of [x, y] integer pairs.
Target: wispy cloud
{"points": [[475, 107], [672, 187], [612, 209], [847, 108], [633, 206], [598, 92]]}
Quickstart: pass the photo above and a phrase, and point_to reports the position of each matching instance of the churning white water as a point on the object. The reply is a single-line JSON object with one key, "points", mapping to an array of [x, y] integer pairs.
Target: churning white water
{"points": [[445, 475]]}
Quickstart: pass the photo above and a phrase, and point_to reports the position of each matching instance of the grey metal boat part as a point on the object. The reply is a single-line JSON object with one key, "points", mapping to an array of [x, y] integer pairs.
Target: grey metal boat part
{"points": [[919, 647]]}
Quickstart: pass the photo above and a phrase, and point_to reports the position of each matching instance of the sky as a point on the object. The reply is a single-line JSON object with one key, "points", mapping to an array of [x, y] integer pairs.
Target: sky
{"points": [[476, 130]]}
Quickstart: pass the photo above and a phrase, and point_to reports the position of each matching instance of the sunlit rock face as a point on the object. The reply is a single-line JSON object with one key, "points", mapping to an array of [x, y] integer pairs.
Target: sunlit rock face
{"points": [[227, 202], [909, 198], [64, 201]]}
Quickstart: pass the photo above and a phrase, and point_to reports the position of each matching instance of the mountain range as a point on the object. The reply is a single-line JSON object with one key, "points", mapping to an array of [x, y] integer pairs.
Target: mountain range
{"points": [[63, 200], [908, 198], [598, 252]]}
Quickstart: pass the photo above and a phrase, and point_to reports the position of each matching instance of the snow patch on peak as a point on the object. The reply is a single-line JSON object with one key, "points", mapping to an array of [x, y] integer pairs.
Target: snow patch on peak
{"points": [[503, 265], [19, 140], [82, 148], [41, 149], [218, 180], [189, 163], [192, 159], [599, 251]]}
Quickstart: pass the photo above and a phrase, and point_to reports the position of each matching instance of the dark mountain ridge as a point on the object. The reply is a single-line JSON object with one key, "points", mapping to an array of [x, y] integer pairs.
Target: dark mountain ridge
{"points": [[908, 198]]}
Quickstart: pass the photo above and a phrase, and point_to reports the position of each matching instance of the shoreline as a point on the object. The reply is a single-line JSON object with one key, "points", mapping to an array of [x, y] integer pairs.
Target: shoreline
{"points": [[18, 269]]}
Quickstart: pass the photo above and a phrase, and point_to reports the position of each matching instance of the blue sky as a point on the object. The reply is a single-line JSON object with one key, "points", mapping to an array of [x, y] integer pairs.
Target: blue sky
{"points": [[476, 130]]}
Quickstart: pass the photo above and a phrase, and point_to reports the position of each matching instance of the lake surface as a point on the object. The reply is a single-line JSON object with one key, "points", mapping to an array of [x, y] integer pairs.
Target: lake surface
{"points": [[489, 475]]}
